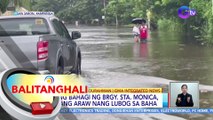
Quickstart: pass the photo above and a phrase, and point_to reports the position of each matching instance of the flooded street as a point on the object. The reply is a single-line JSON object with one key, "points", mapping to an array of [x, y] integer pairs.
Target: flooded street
{"points": [[110, 58], [166, 55]]}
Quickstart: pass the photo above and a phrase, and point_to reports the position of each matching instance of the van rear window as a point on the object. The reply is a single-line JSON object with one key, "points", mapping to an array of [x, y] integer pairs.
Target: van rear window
{"points": [[23, 26]]}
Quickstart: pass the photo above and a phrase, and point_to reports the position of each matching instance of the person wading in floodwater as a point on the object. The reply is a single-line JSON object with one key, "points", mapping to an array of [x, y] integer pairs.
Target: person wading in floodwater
{"points": [[143, 32], [136, 32]]}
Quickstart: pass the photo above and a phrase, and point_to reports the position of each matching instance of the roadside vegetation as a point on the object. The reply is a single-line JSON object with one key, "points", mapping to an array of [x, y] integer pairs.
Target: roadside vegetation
{"points": [[161, 13]]}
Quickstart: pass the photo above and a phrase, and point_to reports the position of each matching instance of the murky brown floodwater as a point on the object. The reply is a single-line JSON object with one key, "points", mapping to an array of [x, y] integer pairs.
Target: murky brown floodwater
{"points": [[167, 55], [110, 55]]}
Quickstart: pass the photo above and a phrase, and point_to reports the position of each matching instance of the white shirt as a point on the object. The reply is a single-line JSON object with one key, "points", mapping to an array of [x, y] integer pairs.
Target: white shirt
{"points": [[136, 30]]}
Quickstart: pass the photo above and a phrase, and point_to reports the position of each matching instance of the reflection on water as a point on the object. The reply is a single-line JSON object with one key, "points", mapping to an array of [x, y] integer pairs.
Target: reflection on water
{"points": [[171, 56], [140, 50]]}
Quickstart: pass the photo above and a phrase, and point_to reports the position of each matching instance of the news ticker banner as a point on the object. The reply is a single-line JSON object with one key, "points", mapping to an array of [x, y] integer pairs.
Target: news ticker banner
{"points": [[118, 98], [139, 110], [76, 94]]}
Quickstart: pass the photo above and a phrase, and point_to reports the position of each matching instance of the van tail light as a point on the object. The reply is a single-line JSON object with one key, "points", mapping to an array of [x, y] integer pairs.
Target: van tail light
{"points": [[42, 50]]}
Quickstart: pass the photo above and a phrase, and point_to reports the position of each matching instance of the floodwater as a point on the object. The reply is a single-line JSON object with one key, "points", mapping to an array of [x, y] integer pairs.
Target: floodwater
{"points": [[110, 58]]}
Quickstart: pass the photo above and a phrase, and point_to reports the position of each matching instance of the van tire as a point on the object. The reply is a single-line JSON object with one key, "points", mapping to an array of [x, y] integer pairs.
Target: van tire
{"points": [[60, 70], [60, 67], [77, 68]]}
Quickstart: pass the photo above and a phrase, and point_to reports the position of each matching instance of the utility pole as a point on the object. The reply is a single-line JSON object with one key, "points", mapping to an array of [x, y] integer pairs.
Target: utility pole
{"points": [[104, 11], [148, 14], [116, 14], [104, 6], [212, 7]]}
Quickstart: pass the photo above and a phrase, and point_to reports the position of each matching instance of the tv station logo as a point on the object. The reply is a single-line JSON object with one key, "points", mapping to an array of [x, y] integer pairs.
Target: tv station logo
{"points": [[49, 79], [185, 12]]}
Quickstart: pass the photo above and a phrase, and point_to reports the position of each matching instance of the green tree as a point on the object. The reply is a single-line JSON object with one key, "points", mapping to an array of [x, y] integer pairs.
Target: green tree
{"points": [[119, 11], [203, 22], [162, 13], [71, 10], [3, 5], [26, 4]]}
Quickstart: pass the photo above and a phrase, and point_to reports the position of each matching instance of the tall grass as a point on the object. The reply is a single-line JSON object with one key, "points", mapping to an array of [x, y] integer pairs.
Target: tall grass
{"points": [[207, 32], [169, 25]]}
